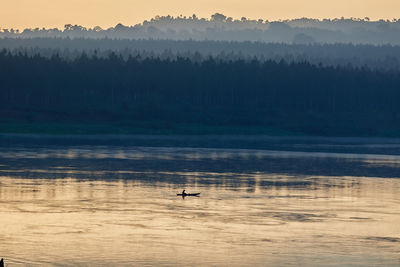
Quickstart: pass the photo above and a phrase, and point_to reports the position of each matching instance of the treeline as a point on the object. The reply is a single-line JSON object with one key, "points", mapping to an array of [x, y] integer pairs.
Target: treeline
{"points": [[221, 27], [385, 57], [299, 97]]}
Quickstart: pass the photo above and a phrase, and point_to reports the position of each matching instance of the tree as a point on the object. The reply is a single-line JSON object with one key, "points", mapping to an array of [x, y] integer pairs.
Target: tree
{"points": [[218, 17]]}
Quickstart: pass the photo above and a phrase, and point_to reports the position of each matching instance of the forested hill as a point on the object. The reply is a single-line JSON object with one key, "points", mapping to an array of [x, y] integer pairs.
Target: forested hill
{"points": [[386, 57], [221, 27], [297, 97]]}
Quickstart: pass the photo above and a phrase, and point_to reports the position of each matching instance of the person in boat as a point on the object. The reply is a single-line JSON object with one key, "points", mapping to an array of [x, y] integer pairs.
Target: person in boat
{"points": [[183, 192]]}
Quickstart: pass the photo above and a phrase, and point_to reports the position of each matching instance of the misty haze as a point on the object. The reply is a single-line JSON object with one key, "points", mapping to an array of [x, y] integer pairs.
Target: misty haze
{"points": [[217, 141]]}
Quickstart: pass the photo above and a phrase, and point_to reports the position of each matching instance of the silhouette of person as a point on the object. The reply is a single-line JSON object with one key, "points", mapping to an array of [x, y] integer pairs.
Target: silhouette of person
{"points": [[183, 192], [2, 262]]}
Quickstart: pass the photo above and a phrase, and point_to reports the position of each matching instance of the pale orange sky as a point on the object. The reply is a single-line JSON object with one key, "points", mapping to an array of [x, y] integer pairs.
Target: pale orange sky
{"points": [[106, 13]]}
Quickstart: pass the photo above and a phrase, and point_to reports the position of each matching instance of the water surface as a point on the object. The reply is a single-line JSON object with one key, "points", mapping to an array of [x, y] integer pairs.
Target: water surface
{"points": [[117, 206]]}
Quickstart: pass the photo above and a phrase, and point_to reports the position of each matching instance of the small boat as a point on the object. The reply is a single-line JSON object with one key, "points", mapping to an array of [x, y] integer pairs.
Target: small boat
{"points": [[189, 195]]}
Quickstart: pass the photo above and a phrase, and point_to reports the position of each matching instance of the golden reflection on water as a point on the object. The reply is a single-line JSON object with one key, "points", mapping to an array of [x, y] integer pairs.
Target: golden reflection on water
{"points": [[277, 220]]}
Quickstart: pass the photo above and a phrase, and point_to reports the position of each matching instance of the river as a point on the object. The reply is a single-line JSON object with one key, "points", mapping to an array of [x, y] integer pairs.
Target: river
{"points": [[116, 205]]}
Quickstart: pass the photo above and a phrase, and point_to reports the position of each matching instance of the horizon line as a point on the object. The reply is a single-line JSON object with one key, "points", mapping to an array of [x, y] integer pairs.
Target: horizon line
{"points": [[209, 19]]}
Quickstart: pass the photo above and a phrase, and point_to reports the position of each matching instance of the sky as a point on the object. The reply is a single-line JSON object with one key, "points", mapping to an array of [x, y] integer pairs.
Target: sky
{"points": [[19, 14]]}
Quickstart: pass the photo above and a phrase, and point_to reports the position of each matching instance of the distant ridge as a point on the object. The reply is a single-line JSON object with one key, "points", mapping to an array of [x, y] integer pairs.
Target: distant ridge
{"points": [[221, 27]]}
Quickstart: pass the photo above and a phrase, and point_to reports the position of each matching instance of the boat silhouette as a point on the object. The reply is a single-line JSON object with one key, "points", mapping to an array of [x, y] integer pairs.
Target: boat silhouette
{"points": [[189, 195]]}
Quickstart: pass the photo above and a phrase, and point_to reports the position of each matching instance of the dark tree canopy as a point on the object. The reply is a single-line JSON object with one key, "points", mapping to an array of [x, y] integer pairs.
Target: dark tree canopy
{"points": [[299, 97]]}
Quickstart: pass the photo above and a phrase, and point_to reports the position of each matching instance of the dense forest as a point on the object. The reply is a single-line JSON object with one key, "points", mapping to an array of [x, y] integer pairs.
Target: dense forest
{"points": [[385, 57], [224, 28], [294, 96]]}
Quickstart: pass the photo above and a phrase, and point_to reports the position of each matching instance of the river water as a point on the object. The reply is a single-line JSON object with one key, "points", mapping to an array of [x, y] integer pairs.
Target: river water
{"points": [[96, 205]]}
